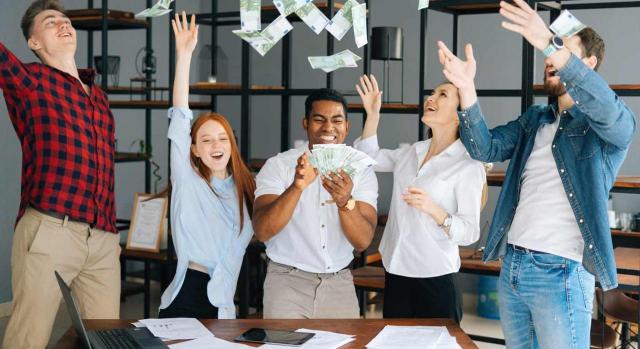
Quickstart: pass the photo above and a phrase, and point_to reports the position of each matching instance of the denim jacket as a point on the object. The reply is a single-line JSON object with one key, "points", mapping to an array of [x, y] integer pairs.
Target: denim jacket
{"points": [[589, 147]]}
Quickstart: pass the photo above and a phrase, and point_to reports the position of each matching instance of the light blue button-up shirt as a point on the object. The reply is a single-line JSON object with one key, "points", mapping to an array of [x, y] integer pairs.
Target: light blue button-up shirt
{"points": [[205, 227]]}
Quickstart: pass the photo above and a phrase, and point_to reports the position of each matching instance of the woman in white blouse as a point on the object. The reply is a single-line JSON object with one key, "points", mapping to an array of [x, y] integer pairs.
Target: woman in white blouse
{"points": [[435, 207]]}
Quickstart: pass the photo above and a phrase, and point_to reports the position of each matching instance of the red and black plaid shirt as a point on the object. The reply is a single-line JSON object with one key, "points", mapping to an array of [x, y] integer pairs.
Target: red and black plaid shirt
{"points": [[67, 139]]}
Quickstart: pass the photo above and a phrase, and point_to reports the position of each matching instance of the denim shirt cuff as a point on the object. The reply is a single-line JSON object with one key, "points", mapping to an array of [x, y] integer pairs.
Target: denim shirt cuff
{"points": [[471, 115], [573, 71]]}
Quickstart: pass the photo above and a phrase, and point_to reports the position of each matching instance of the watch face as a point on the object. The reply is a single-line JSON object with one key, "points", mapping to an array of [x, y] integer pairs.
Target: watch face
{"points": [[557, 41]]}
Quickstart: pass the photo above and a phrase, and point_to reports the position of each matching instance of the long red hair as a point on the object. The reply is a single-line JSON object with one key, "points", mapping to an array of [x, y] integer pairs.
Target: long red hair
{"points": [[245, 184]]}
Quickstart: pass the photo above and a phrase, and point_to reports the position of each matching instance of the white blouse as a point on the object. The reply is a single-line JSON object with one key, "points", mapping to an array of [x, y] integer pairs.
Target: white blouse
{"points": [[413, 245]]}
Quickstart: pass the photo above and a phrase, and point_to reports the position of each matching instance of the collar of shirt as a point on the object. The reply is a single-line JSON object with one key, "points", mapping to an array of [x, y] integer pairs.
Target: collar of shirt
{"points": [[451, 154]]}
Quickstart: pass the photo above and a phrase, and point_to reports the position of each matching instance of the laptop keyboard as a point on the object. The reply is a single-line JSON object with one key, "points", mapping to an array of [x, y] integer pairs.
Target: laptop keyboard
{"points": [[117, 339]]}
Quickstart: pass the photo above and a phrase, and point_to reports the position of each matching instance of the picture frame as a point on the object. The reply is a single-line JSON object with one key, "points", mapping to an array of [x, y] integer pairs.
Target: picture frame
{"points": [[147, 222]]}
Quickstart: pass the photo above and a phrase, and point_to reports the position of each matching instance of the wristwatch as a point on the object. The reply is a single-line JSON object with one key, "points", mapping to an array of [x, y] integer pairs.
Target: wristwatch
{"points": [[349, 206], [447, 223], [556, 44]]}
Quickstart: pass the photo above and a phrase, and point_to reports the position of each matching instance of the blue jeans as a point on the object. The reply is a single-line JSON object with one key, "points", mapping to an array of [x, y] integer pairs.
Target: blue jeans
{"points": [[545, 301]]}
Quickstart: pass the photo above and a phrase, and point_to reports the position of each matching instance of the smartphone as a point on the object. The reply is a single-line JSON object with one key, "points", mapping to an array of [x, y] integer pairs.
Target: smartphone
{"points": [[282, 337]]}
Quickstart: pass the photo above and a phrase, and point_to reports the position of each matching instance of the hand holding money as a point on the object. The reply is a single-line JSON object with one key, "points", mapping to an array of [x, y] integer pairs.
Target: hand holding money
{"points": [[526, 22], [186, 35], [305, 173], [371, 95], [339, 185]]}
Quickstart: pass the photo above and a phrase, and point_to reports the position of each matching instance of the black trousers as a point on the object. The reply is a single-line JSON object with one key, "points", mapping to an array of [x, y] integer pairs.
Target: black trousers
{"points": [[436, 297], [192, 299]]}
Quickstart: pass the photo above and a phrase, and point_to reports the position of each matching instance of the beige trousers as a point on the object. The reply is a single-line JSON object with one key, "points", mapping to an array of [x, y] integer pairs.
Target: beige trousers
{"points": [[290, 293], [86, 258]]}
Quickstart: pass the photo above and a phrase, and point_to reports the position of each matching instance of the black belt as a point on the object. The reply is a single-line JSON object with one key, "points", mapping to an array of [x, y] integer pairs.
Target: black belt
{"points": [[60, 216], [528, 250]]}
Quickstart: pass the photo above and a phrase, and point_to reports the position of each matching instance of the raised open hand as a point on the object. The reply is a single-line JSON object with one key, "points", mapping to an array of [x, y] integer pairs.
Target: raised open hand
{"points": [[186, 34], [460, 73], [370, 94], [526, 22]]}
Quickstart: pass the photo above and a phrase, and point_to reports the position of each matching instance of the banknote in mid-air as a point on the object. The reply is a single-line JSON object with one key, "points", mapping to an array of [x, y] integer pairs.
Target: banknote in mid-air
{"points": [[263, 41], [566, 25], [342, 21], [313, 17], [161, 8], [343, 59], [359, 15], [250, 15]]}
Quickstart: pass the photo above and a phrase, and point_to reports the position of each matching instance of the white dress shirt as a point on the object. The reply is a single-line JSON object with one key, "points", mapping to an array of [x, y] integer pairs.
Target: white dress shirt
{"points": [[544, 220], [313, 240], [413, 245]]}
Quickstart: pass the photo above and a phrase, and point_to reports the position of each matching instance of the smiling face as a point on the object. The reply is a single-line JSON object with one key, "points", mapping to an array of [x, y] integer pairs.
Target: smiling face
{"points": [[213, 147], [441, 107], [52, 34], [326, 123]]}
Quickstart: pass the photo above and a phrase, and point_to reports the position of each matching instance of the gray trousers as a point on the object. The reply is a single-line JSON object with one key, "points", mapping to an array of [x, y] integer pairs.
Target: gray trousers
{"points": [[290, 293]]}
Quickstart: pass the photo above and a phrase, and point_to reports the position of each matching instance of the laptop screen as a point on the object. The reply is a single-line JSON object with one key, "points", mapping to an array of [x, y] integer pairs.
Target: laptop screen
{"points": [[81, 332]]}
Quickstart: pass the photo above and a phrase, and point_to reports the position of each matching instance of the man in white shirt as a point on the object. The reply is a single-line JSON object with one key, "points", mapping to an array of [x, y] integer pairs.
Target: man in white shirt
{"points": [[311, 225]]}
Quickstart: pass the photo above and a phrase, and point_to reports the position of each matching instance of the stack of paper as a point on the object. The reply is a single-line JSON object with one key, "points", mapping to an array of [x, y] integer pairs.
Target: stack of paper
{"points": [[413, 337], [321, 340], [208, 342], [175, 329]]}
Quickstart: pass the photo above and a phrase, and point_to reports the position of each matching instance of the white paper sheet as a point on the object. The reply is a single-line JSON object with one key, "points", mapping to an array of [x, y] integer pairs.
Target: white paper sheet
{"points": [[408, 337], [176, 328]]}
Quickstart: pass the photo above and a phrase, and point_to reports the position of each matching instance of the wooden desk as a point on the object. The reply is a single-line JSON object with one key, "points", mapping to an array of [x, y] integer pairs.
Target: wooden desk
{"points": [[363, 329]]}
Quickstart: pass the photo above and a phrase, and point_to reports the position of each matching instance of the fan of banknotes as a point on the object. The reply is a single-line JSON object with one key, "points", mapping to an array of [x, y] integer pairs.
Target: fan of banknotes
{"points": [[328, 158]]}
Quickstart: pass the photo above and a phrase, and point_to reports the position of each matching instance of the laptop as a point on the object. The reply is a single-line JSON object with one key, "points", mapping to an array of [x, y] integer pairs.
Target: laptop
{"points": [[121, 338]]}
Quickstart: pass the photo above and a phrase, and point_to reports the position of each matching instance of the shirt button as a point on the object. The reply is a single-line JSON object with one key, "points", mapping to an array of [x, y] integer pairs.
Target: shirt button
{"points": [[323, 247], [562, 170], [328, 268], [581, 220], [553, 146], [590, 246], [564, 83], [577, 102], [464, 114], [571, 195], [471, 139], [322, 204], [564, 112], [322, 226], [560, 128]]}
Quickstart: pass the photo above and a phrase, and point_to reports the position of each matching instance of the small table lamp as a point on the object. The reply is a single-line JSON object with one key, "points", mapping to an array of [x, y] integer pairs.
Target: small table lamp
{"points": [[387, 45]]}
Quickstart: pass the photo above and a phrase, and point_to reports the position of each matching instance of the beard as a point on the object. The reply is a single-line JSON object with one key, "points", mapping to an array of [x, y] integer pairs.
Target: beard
{"points": [[554, 89]]}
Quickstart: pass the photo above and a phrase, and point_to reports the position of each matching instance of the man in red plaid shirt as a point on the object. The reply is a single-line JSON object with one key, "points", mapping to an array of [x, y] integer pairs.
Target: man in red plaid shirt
{"points": [[66, 220]]}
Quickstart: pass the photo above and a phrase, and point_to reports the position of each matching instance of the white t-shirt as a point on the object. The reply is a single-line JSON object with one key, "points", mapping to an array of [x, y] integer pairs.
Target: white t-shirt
{"points": [[544, 220], [413, 245], [313, 240]]}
